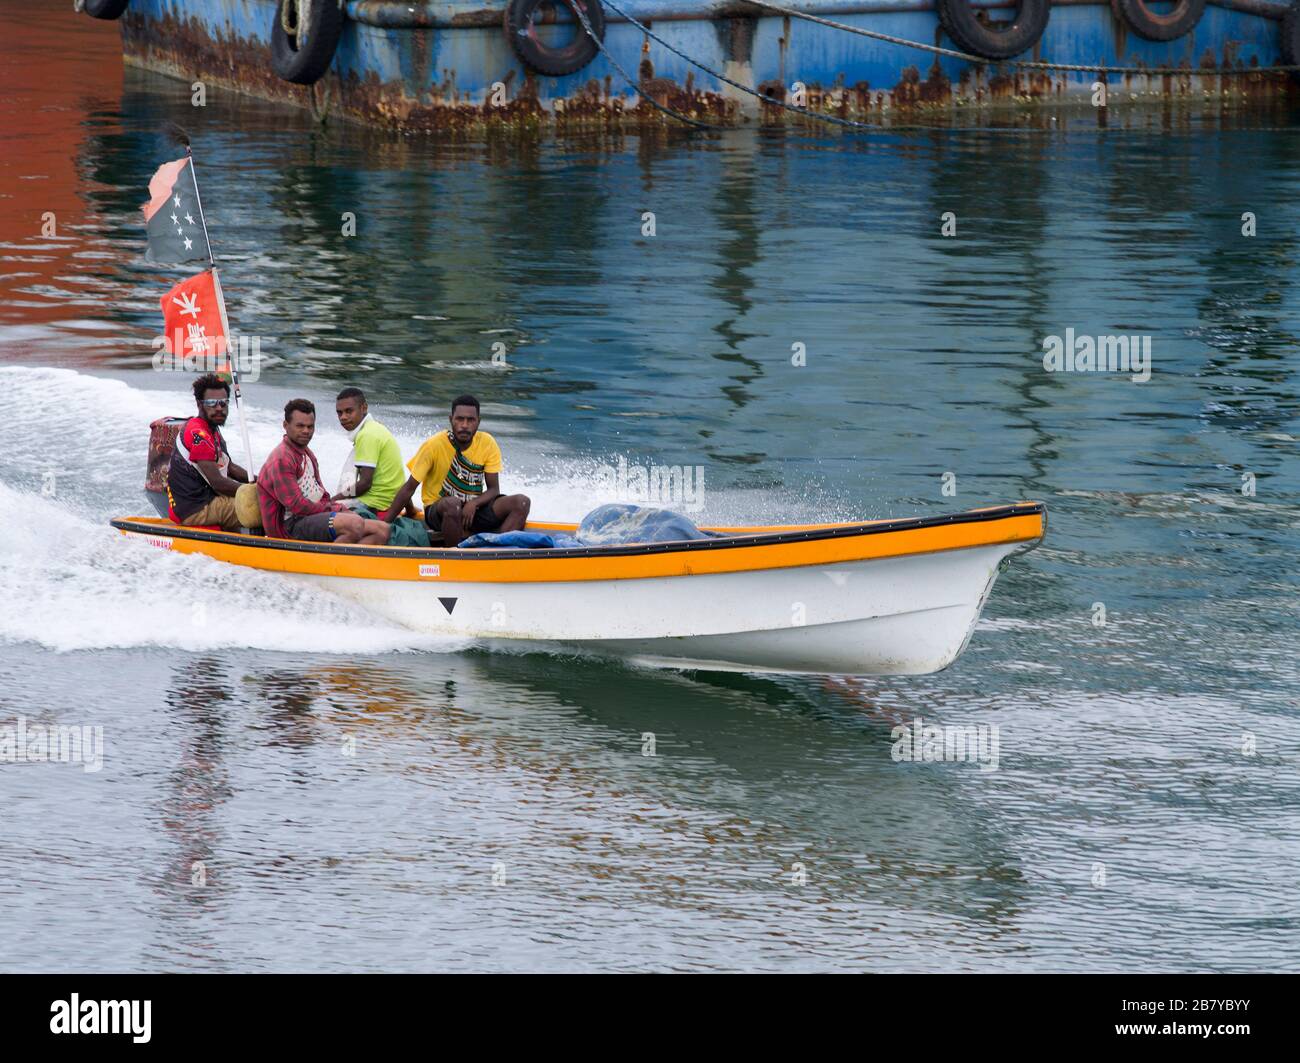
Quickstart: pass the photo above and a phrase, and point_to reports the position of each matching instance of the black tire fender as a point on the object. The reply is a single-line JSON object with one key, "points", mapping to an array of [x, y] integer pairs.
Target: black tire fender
{"points": [[302, 53], [994, 40], [106, 9], [1291, 37], [553, 62], [1142, 20]]}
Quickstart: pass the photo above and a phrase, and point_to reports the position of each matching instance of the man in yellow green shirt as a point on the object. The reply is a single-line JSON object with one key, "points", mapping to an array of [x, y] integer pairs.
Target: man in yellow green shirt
{"points": [[372, 473], [459, 470]]}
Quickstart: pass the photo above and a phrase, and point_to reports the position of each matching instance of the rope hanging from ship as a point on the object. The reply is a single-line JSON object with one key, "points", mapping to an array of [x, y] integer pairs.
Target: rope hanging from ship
{"points": [[587, 28], [712, 73]]}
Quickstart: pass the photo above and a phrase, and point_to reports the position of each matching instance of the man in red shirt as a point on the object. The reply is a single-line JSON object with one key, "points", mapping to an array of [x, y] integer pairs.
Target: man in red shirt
{"points": [[294, 505], [201, 479]]}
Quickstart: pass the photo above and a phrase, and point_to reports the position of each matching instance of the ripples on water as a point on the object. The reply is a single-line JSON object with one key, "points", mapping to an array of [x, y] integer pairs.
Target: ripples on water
{"points": [[227, 698]]}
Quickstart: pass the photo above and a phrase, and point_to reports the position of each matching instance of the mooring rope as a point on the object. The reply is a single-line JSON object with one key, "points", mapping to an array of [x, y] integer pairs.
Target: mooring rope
{"points": [[1079, 68], [582, 17], [736, 84]]}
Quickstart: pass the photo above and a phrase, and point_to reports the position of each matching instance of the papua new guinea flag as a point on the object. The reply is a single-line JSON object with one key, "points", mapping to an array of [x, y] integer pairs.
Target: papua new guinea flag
{"points": [[172, 215], [192, 319]]}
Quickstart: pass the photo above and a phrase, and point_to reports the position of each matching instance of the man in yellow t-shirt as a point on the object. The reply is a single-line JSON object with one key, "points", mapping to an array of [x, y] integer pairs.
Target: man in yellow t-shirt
{"points": [[459, 470]]}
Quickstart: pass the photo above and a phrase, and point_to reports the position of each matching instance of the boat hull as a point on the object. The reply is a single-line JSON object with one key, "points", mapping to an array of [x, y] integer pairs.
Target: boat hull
{"points": [[897, 616], [448, 66], [882, 598], [899, 639]]}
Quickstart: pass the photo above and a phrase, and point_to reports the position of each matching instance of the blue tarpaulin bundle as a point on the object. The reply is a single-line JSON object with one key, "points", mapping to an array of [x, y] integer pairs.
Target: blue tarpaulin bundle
{"points": [[520, 540], [622, 523], [610, 525]]}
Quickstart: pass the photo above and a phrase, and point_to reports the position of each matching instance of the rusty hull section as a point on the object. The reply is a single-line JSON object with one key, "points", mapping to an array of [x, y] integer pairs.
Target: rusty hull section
{"points": [[185, 48], [430, 98]]}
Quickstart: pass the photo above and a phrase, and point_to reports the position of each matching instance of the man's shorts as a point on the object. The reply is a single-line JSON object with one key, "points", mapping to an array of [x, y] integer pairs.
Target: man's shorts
{"points": [[485, 519], [317, 528], [221, 510]]}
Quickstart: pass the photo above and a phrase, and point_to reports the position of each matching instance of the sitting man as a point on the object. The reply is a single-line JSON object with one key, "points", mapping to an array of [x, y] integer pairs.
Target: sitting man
{"points": [[294, 505], [372, 473], [459, 469], [201, 479]]}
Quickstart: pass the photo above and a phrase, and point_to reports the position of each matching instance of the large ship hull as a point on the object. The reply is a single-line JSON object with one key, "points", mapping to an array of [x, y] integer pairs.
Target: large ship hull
{"points": [[446, 66]]}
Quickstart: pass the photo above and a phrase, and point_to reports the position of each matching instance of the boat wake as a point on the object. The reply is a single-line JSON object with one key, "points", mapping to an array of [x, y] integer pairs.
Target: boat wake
{"points": [[71, 456], [75, 584]]}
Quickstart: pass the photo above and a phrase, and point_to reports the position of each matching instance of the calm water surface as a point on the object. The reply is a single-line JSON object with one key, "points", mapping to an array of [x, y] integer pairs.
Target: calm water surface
{"points": [[497, 812]]}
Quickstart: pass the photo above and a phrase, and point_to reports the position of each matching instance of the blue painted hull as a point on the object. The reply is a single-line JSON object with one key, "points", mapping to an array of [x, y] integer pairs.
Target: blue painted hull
{"points": [[449, 65]]}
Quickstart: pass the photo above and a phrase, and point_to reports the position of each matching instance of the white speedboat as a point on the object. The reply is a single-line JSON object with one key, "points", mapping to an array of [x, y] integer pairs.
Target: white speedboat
{"points": [[882, 597]]}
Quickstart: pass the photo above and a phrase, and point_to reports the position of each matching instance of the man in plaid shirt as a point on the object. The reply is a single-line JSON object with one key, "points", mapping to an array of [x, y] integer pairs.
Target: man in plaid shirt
{"points": [[294, 504]]}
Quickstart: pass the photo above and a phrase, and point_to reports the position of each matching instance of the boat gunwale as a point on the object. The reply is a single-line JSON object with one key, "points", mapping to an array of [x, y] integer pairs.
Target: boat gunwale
{"points": [[147, 526]]}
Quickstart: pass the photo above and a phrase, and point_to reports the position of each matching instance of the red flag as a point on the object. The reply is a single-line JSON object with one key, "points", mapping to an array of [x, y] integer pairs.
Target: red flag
{"points": [[192, 319]]}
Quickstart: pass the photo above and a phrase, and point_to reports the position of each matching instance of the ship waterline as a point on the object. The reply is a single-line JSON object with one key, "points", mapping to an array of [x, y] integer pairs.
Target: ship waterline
{"points": [[450, 65]]}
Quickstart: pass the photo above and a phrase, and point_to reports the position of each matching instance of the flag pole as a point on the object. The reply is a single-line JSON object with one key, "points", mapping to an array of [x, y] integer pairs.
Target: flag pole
{"points": [[225, 321]]}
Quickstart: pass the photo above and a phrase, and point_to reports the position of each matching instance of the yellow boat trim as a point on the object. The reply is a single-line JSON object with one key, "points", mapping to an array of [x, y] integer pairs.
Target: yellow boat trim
{"points": [[795, 546]]}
